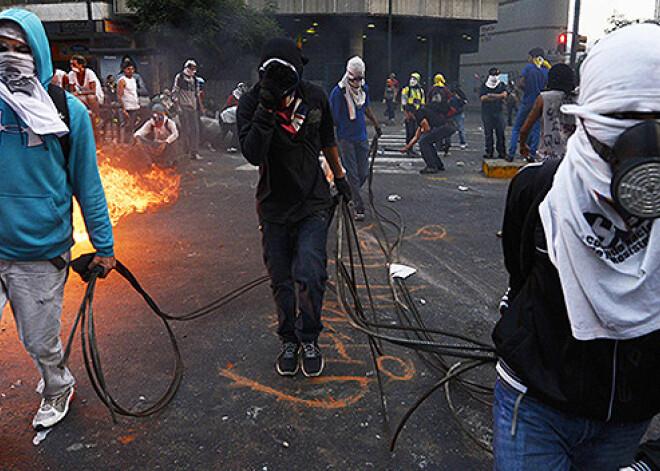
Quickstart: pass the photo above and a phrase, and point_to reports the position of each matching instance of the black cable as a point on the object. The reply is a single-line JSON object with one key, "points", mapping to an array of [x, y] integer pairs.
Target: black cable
{"points": [[92, 357], [417, 335]]}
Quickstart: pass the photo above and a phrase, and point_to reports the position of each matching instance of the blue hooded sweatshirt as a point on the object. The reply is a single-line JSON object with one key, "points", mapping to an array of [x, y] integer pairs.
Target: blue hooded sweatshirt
{"points": [[35, 193]]}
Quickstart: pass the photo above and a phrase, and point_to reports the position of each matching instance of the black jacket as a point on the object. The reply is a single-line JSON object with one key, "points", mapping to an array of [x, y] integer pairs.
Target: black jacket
{"points": [[292, 184], [600, 379]]}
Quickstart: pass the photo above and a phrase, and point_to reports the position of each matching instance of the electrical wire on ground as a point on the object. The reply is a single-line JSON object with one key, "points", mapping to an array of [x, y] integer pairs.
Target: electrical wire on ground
{"points": [[434, 346], [92, 357]]}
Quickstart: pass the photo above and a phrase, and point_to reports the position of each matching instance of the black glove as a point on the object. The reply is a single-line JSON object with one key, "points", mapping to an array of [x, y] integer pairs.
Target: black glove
{"points": [[343, 188], [379, 131], [81, 266], [276, 82]]}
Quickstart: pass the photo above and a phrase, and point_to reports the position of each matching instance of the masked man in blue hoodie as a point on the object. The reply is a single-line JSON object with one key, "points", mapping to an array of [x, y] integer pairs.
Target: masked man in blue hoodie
{"points": [[40, 174]]}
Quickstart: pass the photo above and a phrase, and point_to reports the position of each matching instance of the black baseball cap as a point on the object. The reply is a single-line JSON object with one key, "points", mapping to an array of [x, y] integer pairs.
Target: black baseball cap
{"points": [[493, 71]]}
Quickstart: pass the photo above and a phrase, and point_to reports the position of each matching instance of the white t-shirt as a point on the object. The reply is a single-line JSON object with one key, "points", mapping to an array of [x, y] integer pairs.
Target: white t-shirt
{"points": [[130, 96], [89, 77]]}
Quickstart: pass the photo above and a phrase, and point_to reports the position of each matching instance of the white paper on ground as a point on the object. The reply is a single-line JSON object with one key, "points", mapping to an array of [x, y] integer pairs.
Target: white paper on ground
{"points": [[401, 271]]}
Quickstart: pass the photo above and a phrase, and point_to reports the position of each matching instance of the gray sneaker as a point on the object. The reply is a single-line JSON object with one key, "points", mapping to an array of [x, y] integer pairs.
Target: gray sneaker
{"points": [[287, 361], [53, 410], [312, 360]]}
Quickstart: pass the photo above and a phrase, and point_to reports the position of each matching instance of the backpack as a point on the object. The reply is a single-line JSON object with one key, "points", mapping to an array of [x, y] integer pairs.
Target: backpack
{"points": [[58, 95]]}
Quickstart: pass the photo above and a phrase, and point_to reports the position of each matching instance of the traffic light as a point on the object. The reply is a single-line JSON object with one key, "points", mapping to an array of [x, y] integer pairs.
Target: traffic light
{"points": [[561, 43], [582, 43]]}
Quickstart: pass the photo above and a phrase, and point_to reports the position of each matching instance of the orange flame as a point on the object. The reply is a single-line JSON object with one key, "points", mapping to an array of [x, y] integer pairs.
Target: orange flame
{"points": [[127, 193]]}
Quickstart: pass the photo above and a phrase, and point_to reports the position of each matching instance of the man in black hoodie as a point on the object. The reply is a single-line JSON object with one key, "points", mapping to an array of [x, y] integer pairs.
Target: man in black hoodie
{"points": [[283, 124]]}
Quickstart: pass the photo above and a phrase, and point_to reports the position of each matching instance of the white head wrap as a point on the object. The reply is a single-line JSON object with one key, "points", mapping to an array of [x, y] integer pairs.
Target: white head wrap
{"points": [[355, 93], [609, 267], [21, 90]]}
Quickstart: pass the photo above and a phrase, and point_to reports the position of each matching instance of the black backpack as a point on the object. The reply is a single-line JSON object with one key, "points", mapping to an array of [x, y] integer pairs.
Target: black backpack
{"points": [[58, 95]]}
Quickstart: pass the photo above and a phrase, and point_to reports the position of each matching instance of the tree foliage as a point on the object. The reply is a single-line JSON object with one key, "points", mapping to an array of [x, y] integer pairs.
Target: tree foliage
{"points": [[211, 29]]}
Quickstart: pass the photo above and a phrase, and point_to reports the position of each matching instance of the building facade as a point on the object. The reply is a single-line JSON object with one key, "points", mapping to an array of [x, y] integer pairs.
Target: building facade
{"points": [[522, 25], [97, 31], [428, 36]]}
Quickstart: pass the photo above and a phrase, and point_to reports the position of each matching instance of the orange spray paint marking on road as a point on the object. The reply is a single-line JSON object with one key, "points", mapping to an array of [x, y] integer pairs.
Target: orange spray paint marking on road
{"points": [[406, 365], [431, 232], [323, 403]]}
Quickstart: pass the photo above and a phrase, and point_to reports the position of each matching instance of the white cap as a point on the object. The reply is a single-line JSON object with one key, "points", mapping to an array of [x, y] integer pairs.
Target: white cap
{"points": [[190, 63]]}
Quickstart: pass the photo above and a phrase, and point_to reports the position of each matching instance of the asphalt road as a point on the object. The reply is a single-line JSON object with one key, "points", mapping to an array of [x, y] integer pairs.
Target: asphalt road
{"points": [[233, 412]]}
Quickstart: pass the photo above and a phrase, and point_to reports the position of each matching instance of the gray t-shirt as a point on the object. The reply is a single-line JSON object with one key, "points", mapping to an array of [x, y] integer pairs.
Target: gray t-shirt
{"points": [[557, 127], [186, 91]]}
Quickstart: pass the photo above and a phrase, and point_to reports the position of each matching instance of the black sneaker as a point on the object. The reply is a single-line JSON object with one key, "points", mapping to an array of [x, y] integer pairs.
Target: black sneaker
{"points": [[312, 360], [287, 360], [429, 171]]}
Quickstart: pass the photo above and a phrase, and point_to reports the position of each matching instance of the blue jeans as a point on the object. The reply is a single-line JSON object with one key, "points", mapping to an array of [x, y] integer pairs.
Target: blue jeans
{"points": [[534, 135], [494, 122], [295, 254], [427, 145], [355, 159], [547, 439]]}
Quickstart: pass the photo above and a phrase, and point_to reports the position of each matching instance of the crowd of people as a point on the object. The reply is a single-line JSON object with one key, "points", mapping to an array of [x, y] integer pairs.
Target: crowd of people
{"points": [[164, 126], [576, 381]]}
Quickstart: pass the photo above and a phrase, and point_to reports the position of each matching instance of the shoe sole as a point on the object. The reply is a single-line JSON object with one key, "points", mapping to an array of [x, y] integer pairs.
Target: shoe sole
{"points": [[69, 400], [286, 373], [318, 373]]}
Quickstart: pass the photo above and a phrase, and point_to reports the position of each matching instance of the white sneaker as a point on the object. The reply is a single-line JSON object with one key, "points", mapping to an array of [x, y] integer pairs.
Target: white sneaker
{"points": [[463, 146], [53, 410]]}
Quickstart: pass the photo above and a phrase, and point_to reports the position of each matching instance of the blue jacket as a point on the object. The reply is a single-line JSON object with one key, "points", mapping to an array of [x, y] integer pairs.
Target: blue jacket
{"points": [[35, 193], [346, 129]]}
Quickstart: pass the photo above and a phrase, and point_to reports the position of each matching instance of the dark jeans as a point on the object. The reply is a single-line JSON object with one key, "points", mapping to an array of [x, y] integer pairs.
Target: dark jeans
{"points": [[130, 124], [355, 159], [530, 435], [189, 131], [411, 128], [534, 135], [389, 109], [295, 255], [429, 140], [494, 122]]}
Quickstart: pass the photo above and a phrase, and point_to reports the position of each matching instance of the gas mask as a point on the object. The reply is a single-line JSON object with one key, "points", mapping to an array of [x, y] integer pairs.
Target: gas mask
{"points": [[635, 163]]}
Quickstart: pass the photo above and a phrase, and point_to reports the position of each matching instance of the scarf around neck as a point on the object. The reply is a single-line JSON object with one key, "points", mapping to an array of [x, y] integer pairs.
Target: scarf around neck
{"points": [[355, 96]]}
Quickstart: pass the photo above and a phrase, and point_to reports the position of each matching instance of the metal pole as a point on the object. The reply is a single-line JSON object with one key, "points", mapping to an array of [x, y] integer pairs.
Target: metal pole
{"points": [[389, 38], [576, 34], [90, 22], [430, 75]]}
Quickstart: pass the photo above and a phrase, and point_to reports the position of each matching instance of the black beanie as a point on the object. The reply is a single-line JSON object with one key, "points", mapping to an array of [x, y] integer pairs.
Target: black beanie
{"points": [[562, 78], [285, 49]]}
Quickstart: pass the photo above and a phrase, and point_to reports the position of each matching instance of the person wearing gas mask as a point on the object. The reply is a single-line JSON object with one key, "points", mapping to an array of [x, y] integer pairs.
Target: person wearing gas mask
{"points": [[156, 137], [579, 342], [44, 163], [187, 94], [413, 95], [283, 123], [349, 102]]}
